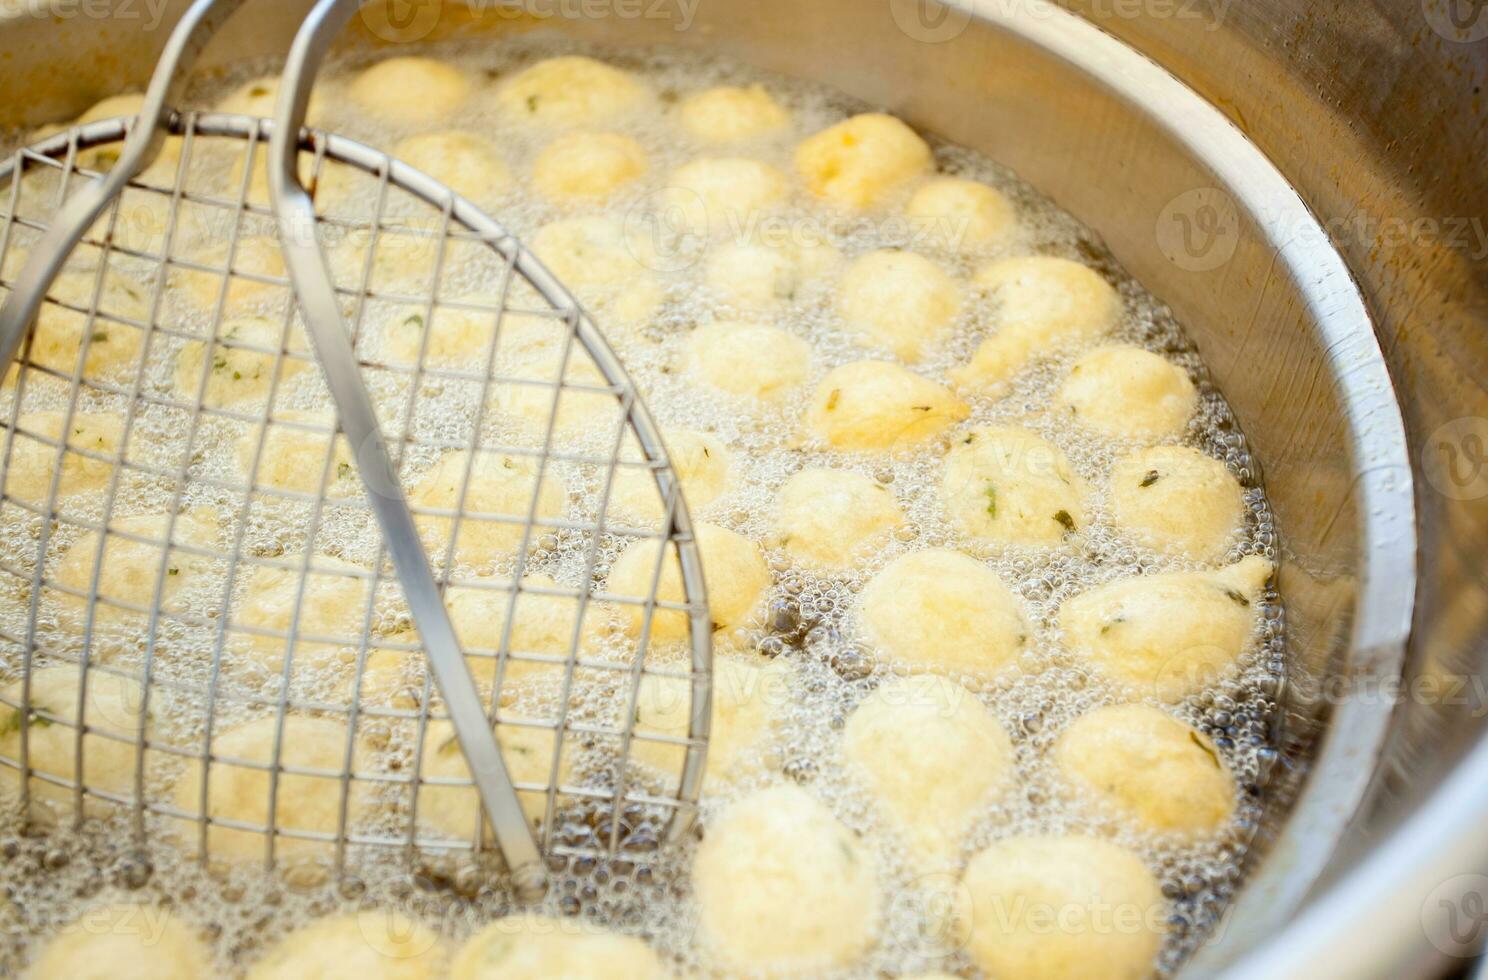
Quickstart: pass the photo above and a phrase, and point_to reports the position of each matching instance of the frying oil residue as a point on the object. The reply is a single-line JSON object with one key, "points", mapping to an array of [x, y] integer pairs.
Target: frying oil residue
{"points": [[810, 617]]}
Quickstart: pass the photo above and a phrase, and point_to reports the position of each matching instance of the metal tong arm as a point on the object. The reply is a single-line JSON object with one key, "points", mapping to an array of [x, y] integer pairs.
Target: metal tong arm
{"points": [[141, 146], [314, 287]]}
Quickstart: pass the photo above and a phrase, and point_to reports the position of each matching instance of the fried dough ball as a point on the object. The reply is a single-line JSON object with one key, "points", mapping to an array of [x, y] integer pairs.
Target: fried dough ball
{"points": [[256, 255], [1149, 768], [304, 803], [535, 947], [113, 705], [373, 944], [295, 459], [860, 161], [746, 359], [1177, 501], [259, 96], [1129, 393], [736, 574], [1043, 303], [450, 812], [102, 157], [543, 624], [124, 941], [721, 195], [701, 463], [879, 405], [783, 887], [730, 114], [609, 270], [945, 611], [1167, 635], [113, 347], [898, 300], [1089, 910], [332, 604], [409, 90], [456, 338], [827, 518], [761, 275], [499, 484], [467, 163], [748, 700], [930, 753], [1007, 485], [582, 404], [239, 374], [130, 567], [571, 91], [963, 215], [404, 259], [587, 166], [32, 464]]}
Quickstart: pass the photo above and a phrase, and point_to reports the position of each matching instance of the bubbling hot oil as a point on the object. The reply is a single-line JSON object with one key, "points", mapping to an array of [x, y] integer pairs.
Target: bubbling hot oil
{"points": [[809, 619]]}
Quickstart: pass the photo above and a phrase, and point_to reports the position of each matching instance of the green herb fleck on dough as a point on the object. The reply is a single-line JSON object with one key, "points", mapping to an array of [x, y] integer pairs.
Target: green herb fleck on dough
{"points": [[991, 493], [1065, 520], [1152, 477]]}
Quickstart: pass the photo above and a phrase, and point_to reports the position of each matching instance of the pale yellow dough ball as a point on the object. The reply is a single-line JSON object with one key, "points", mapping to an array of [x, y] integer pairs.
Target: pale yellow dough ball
{"points": [[102, 157], [126, 582], [879, 405], [761, 275], [784, 888], [373, 944], [701, 462], [736, 576], [256, 256], [1129, 393], [294, 455], [961, 215], [749, 698], [860, 161], [941, 610], [828, 518], [543, 624], [730, 114], [467, 163], [113, 347], [450, 812], [1043, 303], [721, 195], [332, 605], [33, 462], [410, 90], [242, 369], [498, 485], [746, 359], [113, 705], [1177, 501], [587, 166], [240, 792], [571, 91], [453, 338], [1167, 635], [124, 941], [1090, 910], [608, 269], [1149, 769], [898, 300], [535, 947], [259, 96], [1007, 485], [931, 754]]}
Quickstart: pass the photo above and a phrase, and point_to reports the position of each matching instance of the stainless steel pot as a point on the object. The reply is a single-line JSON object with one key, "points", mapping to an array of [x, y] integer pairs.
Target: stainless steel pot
{"points": [[1302, 184]]}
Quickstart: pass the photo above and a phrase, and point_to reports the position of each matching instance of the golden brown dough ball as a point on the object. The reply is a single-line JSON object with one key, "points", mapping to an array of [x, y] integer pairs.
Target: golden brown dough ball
{"points": [[1148, 768], [860, 161]]}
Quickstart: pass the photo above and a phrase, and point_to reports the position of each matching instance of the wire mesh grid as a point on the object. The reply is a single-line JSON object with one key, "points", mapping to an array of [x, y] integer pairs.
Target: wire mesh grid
{"points": [[198, 624]]}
